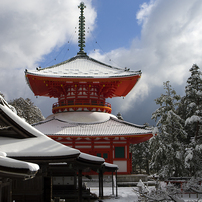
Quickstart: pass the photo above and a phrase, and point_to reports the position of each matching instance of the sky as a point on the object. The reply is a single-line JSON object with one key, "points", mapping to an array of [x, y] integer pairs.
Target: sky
{"points": [[161, 38]]}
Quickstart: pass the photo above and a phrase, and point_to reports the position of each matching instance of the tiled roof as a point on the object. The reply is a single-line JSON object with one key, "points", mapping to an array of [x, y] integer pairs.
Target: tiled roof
{"points": [[20, 146], [83, 66], [111, 127]]}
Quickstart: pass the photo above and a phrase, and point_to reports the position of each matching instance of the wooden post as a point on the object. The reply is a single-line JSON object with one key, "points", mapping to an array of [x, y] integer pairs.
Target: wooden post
{"points": [[80, 185], [116, 185], [112, 183], [10, 190], [0, 191], [100, 183], [47, 186]]}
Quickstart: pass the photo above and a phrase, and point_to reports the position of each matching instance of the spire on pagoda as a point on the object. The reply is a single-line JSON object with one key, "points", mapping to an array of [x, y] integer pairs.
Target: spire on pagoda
{"points": [[81, 37]]}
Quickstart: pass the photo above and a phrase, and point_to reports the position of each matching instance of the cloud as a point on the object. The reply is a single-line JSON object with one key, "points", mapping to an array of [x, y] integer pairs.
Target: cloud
{"points": [[144, 12], [32, 29], [170, 43]]}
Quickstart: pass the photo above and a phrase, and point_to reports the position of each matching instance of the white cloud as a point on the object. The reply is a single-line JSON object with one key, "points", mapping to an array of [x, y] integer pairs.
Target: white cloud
{"points": [[144, 12], [30, 30], [170, 43]]}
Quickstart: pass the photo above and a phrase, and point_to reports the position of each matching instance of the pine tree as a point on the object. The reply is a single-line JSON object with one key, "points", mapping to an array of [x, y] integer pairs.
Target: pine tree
{"points": [[2, 94], [140, 156], [193, 123], [26, 109], [193, 100], [168, 152]]}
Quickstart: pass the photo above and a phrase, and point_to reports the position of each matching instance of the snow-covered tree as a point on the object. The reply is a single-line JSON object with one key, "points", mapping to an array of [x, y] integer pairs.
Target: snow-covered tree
{"points": [[26, 109], [140, 156], [193, 123], [166, 147], [193, 100], [2, 94]]}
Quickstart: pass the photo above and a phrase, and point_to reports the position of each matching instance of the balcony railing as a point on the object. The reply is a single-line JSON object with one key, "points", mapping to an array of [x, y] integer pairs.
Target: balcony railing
{"points": [[81, 105]]}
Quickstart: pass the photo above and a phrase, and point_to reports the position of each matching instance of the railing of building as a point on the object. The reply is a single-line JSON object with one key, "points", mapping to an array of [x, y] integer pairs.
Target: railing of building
{"points": [[81, 105]]}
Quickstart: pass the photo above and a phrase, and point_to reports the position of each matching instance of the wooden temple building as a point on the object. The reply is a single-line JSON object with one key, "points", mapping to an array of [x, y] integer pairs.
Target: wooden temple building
{"points": [[82, 118], [30, 162]]}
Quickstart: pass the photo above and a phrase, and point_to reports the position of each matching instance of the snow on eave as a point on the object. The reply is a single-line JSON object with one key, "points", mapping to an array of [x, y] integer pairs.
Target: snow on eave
{"points": [[90, 158], [21, 122], [109, 165], [13, 163]]}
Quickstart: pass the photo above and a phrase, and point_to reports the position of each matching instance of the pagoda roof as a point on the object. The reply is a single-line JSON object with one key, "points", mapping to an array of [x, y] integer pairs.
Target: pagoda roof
{"points": [[82, 66], [20, 140], [56, 125]]}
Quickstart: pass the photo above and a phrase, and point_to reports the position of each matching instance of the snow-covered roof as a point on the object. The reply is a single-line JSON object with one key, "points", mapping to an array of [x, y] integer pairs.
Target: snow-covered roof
{"points": [[107, 125], [80, 117], [39, 145], [13, 163], [110, 166], [35, 147], [11, 167], [90, 158], [83, 66]]}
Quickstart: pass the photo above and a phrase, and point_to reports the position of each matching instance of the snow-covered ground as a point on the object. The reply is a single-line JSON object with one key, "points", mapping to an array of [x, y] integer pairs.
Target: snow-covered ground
{"points": [[127, 194], [124, 194]]}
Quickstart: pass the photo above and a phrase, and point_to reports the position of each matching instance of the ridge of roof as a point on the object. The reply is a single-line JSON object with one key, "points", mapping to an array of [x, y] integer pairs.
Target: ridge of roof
{"points": [[84, 56], [73, 123], [132, 124], [112, 118]]}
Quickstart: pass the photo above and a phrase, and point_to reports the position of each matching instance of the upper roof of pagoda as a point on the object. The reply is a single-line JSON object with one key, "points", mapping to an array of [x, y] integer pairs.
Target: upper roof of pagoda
{"points": [[82, 66]]}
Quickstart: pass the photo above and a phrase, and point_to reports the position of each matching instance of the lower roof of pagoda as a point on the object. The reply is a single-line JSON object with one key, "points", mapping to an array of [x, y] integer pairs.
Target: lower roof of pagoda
{"points": [[91, 125]]}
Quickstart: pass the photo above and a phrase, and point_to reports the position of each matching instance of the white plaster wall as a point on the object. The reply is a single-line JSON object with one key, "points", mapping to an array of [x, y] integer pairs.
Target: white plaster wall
{"points": [[122, 165]]}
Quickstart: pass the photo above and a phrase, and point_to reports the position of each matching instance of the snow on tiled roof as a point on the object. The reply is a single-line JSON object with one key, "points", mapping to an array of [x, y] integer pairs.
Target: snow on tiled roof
{"points": [[109, 165], [90, 158], [109, 127], [81, 117], [13, 163], [15, 168], [37, 146], [83, 66]]}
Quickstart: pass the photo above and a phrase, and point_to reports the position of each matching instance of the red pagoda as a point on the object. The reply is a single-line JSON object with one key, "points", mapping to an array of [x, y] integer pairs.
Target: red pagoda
{"points": [[82, 118]]}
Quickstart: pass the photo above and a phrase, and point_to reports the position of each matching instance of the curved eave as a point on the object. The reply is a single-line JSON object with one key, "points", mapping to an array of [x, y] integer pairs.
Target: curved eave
{"points": [[133, 138], [39, 84], [16, 173], [48, 159]]}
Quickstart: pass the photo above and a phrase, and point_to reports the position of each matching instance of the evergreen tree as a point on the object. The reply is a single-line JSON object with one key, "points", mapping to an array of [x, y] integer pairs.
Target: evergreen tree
{"points": [[193, 123], [2, 94], [140, 156], [168, 152], [26, 109], [193, 100]]}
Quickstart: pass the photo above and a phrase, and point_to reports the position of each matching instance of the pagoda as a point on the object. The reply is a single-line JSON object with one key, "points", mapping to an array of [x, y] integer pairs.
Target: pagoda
{"points": [[82, 118]]}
